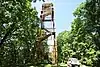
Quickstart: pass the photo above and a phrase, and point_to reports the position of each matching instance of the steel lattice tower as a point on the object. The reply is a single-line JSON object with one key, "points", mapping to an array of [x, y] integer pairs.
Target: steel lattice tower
{"points": [[48, 27]]}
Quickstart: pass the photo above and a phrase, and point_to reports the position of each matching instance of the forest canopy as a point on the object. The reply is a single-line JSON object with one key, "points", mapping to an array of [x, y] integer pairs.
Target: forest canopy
{"points": [[19, 28], [83, 41]]}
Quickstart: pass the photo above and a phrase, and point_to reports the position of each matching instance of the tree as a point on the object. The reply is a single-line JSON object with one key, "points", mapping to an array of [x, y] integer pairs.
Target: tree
{"points": [[62, 40], [84, 35], [19, 26]]}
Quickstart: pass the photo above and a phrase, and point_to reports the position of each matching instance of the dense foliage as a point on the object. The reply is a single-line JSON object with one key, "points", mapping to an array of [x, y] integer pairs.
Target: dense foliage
{"points": [[83, 40], [19, 25]]}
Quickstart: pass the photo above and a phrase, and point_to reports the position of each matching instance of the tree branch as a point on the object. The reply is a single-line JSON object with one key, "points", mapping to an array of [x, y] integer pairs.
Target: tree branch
{"points": [[7, 34]]}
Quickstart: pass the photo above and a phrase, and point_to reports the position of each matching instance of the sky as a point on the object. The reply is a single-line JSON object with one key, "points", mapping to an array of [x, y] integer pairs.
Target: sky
{"points": [[63, 12]]}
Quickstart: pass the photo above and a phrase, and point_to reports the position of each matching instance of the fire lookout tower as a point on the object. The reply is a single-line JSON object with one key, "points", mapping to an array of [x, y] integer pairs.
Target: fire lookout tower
{"points": [[47, 32], [48, 25]]}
